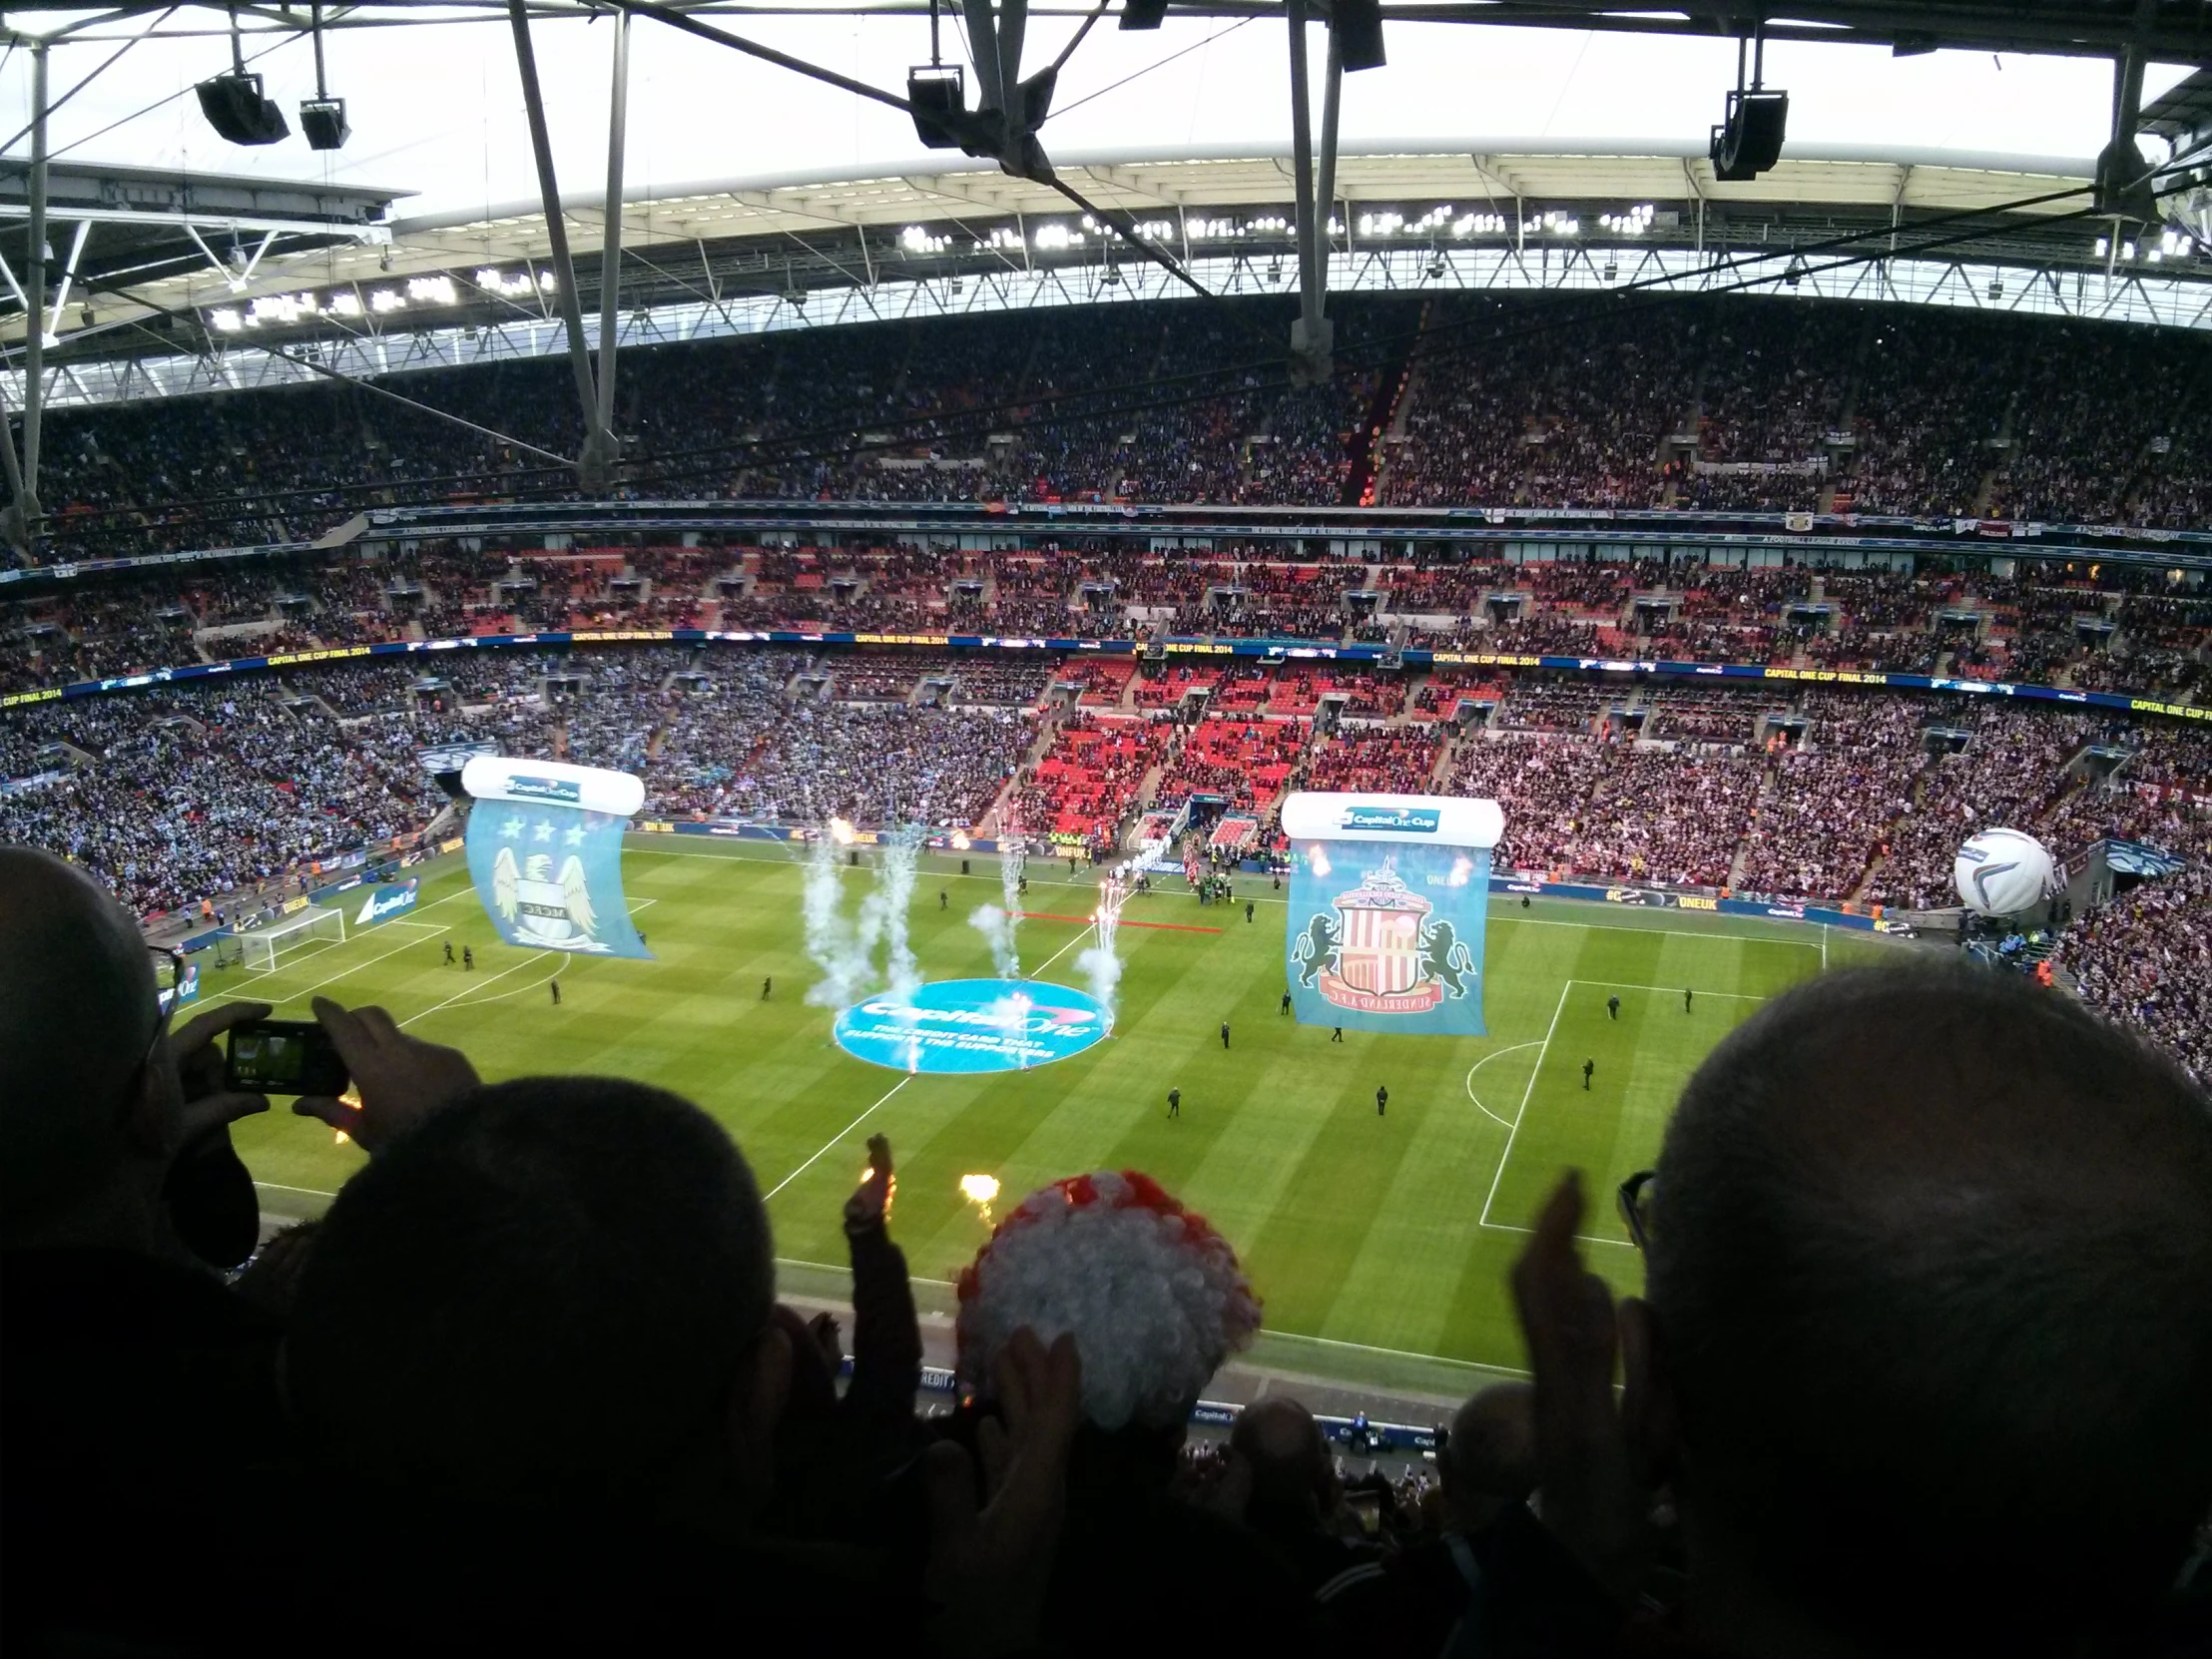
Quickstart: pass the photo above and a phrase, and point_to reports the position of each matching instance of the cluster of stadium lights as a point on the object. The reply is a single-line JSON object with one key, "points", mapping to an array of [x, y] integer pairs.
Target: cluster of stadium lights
{"points": [[346, 305], [1055, 235], [2172, 245], [1444, 220]]}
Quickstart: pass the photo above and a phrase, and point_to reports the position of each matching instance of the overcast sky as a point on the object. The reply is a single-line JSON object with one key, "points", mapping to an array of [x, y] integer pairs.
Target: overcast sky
{"points": [[437, 109]]}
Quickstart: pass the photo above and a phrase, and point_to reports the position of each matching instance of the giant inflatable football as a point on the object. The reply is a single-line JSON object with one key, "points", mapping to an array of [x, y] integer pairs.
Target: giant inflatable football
{"points": [[2002, 872]]}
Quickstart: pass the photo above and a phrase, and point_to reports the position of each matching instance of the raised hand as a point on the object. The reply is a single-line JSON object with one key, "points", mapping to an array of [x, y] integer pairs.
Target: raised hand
{"points": [[870, 1204], [208, 1105], [988, 1566], [400, 1079], [1590, 1498]]}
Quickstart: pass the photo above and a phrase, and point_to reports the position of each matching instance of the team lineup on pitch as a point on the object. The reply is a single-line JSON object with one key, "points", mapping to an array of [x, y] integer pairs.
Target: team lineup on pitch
{"points": [[1366, 1233]]}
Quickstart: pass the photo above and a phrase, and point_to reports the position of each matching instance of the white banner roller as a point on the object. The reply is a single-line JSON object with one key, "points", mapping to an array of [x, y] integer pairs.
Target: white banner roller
{"points": [[553, 784], [1433, 819]]}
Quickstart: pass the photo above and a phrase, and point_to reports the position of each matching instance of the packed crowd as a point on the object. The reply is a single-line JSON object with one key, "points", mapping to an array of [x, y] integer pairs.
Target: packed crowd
{"points": [[2146, 961], [1709, 403], [538, 1337], [181, 795], [2116, 627], [202, 797], [1812, 794]]}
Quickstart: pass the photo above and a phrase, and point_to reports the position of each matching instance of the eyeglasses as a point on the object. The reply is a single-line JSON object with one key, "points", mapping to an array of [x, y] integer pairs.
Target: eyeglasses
{"points": [[173, 960], [169, 973], [1634, 1195]]}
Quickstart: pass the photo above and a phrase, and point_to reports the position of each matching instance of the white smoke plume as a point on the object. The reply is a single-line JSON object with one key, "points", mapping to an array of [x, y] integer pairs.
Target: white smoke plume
{"points": [[998, 928], [837, 950], [1102, 968], [1099, 963], [892, 903], [1011, 1015], [1011, 863]]}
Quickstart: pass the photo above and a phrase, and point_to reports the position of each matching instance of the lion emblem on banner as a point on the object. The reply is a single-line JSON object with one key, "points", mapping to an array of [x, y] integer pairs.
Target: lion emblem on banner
{"points": [[1379, 953], [554, 913]]}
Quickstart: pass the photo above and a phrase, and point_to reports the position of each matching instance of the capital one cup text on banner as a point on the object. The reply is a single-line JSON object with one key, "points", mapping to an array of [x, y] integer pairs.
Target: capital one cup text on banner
{"points": [[545, 854], [1388, 898]]}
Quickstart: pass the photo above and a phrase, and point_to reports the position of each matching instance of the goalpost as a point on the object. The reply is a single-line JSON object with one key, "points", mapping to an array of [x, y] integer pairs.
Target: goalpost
{"points": [[261, 949]]}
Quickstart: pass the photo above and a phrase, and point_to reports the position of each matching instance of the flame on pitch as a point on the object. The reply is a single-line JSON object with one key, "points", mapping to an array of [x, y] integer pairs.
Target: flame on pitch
{"points": [[1317, 860], [840, 831], [980, 1191]]}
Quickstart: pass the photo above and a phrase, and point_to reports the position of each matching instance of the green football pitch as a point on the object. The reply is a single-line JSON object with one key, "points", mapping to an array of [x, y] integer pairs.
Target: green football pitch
{"points": [[1380, 1244]]}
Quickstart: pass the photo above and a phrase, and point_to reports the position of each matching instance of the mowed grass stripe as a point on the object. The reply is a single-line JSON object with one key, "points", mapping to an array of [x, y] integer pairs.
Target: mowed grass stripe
{"points": [[1428, 1225], [1356, 1231]]}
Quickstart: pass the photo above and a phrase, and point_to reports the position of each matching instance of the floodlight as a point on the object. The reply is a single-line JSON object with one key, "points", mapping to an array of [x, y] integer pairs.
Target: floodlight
{"points": [[235, 108], [324, 120], [1357, 25], [938, 93], [1749, 140]]}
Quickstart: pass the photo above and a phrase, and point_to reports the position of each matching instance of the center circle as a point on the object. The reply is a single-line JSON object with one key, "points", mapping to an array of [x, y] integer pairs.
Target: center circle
{"points": [[966, 1026]]}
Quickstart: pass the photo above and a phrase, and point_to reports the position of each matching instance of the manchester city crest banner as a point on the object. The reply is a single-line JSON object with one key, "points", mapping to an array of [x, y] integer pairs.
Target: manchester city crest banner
{"points": [[1389, 896], [545, 854]]}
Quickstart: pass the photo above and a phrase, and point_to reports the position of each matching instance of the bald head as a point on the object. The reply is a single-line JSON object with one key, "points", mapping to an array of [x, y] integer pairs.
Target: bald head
{"points": [[1492, 1461], [77, 1012], [1931, 1263], [1288, 1452]]}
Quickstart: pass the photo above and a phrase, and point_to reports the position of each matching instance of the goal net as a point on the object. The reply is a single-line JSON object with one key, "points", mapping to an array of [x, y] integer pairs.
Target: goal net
{"points": [[264, 947]]}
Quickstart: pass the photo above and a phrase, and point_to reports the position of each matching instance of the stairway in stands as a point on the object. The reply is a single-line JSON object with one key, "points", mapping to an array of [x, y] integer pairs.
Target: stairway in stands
{"points": [[1366, 444]]}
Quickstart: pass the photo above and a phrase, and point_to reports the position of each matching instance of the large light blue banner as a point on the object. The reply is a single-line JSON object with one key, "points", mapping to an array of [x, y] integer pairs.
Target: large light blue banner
{"points": [[546, 865], [1388, 937]]}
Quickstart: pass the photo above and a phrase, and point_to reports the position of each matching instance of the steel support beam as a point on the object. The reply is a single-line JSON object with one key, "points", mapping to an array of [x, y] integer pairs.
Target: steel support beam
{"points": [[593, 467], [24, 520], [2124, 182], [610, 248], [1013, 26], [1310, 340], [1325, 189], [982, 31], [68, 273]]}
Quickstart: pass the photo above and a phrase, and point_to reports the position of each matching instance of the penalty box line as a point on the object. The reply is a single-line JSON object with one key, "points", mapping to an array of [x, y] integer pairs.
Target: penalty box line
{"points": [[1544, 1052]]}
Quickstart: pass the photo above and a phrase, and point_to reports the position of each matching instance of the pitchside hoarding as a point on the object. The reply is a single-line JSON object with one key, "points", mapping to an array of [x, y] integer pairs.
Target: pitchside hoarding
{"points": [[1389, 896], [380, 902]]}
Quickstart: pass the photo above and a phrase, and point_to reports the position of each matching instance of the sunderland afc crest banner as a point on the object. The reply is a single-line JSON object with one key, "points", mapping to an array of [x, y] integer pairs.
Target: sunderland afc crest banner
{"points": [[1389, 896], [545, 854]]}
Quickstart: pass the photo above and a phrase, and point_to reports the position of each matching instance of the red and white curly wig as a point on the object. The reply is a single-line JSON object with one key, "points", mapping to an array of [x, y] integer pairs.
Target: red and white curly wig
{"points": [[1152, 1294]]}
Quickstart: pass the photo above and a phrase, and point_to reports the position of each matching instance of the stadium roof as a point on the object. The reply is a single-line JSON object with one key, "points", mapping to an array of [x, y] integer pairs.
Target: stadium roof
{"points": [[1540, 171], [343, 286], [218, 262]]}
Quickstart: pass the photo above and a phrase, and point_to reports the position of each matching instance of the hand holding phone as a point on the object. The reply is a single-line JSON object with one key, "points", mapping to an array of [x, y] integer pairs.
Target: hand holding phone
{"points": [[283, 1056], [402, 1079]]}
